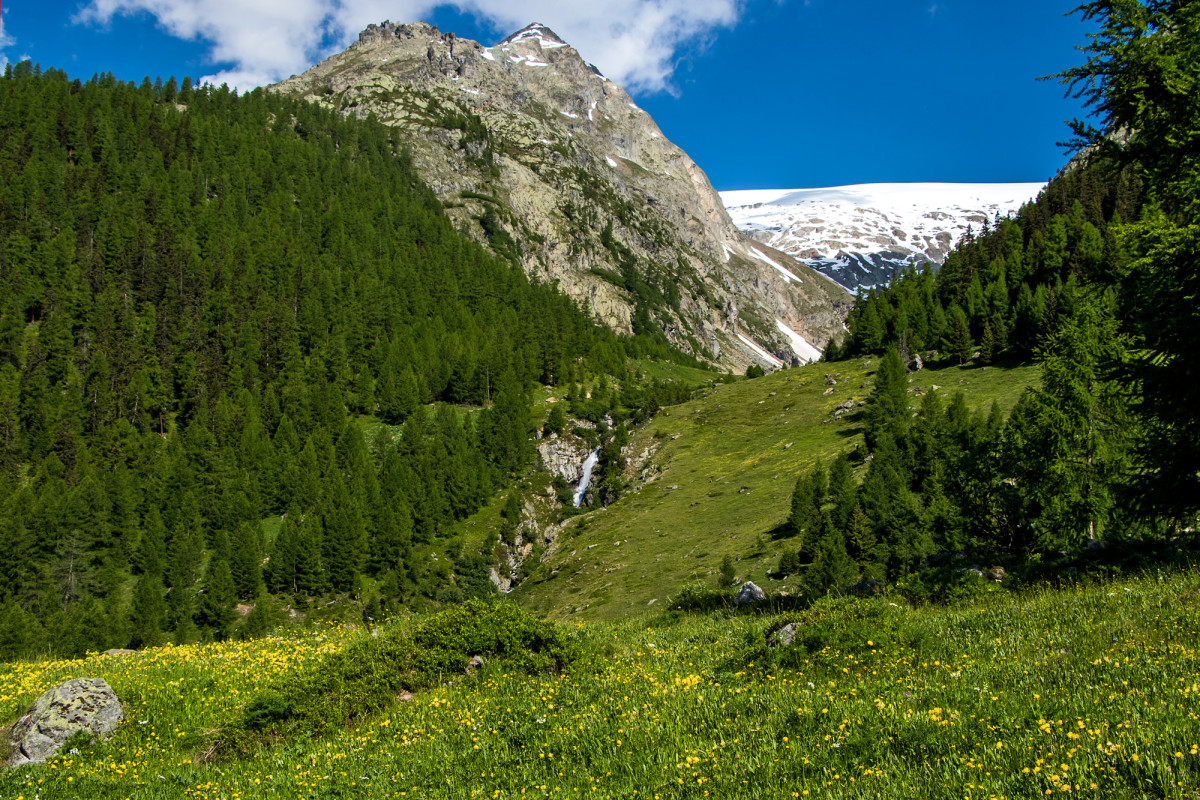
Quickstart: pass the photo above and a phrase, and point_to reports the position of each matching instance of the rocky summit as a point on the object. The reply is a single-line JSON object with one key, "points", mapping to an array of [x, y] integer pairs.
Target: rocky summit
{"points": [[535, 152]]}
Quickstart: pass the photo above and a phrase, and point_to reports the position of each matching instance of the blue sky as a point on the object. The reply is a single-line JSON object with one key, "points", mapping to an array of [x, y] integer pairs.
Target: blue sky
{"points": [[761, 93]]}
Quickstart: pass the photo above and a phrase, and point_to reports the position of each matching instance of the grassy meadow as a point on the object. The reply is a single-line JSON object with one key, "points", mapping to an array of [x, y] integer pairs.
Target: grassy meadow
{"points": [[1086, 690], [722, 471]]}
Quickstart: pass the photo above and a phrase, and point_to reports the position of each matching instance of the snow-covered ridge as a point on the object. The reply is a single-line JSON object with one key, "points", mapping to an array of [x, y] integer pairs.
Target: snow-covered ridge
{"points": [[536, 32], [858, 234]]}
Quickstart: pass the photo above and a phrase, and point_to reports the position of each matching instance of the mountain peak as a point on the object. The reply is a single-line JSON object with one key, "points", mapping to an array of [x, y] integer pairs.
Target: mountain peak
{"points": [[535, 31]]}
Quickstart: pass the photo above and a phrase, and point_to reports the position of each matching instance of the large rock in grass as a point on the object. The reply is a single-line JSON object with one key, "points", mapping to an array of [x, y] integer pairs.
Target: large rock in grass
{"points": [[84, 704], [748, 594], [784, 636]]}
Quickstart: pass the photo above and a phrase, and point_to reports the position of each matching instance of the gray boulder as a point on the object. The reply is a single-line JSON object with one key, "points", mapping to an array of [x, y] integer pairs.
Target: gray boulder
{"points": [[83, 704], [784, 636], [749, 594]]}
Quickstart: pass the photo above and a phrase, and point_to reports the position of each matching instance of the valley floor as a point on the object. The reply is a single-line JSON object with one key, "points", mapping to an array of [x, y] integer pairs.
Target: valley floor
{"points": [[1086, 690]]}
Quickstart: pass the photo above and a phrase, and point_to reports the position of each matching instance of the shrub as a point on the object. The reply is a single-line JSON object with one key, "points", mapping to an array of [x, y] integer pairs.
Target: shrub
{"points": [[371, 671]]}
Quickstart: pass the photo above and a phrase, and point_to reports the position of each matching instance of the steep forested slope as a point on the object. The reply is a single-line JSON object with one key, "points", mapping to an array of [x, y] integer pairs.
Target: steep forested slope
{"points": [[202, 295]]}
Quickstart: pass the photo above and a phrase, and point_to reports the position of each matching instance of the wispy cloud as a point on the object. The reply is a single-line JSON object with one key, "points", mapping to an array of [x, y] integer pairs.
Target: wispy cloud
{"points": [[635, 42], [5, 41]]}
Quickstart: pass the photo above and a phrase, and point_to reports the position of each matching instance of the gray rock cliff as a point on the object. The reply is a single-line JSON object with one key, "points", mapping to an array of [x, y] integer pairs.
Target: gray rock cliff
{"points": [[536, 153]]}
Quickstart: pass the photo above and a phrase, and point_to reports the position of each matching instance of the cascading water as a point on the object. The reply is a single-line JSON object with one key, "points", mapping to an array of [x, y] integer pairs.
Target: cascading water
{"points": [[588, 466]]}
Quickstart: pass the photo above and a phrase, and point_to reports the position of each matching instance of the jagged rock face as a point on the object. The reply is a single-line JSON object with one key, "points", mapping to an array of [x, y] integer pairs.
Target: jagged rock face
{"points": [[860, 236], [532, 150], [564, 458]]}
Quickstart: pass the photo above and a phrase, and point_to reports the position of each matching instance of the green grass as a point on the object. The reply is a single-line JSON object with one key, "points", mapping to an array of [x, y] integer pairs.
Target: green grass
{"points": [[667, 371], [1012, 695], [728, 462]]}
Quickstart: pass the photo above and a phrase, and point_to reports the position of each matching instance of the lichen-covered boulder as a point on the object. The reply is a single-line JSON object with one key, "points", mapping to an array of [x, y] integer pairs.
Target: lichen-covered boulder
{"points": [[749, 594], [784, 636], [83, 704]]}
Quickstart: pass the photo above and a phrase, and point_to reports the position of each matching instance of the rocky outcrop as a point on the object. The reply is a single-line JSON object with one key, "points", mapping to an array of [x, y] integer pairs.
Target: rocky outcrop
{"points": [[535, 152], [784, 636], [564, 457], [84, 704], [749, 594]]}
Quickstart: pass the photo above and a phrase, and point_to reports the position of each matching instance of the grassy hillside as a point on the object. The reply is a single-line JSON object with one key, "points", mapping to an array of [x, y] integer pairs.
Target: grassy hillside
{"points": [[1085, 690], [722, 469]]}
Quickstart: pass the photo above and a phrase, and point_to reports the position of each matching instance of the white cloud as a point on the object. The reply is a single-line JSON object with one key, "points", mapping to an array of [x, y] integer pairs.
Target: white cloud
{"points": [[634, 42], [5, 41]]}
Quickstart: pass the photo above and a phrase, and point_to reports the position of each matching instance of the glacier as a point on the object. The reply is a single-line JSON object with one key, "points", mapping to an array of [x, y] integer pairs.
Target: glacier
{"points": [[860, 235]]}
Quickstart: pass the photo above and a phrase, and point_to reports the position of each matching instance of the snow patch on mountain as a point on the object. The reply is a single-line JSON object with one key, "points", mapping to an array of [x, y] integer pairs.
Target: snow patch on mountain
{"points": [[859, 235], [787, 273], [760, 351], [804, 351]]}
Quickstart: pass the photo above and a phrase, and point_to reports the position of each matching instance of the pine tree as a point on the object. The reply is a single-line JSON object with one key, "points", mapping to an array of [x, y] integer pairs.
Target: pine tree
{"points": [[832, 568], [958, 343], [887, 409], [217, 611]]}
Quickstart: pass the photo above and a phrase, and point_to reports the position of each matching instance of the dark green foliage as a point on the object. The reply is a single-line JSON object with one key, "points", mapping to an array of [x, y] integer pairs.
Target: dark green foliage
{"points": [[1098, 280], [755, 371], [1140, 78], [200, 307], [1010, 277], [556, 420], [887, 411], [368, 674], [726, 574], [832, 568]]}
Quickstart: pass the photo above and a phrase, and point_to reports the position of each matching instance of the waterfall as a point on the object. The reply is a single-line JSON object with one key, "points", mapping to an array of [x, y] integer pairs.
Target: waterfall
{"points": [[588, 466]]}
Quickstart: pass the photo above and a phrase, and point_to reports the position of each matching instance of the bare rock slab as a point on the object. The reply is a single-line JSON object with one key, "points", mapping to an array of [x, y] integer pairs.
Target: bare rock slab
{"points": [[749, 594], [83, 704]]}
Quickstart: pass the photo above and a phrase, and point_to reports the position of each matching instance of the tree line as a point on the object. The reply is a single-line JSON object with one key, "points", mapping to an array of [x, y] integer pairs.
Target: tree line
{"points": [[218, 310], [1096, 280]]}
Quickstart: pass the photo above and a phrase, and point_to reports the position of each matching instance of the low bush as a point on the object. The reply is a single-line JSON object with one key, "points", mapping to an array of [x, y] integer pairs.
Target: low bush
{"points": [[370, 672]]}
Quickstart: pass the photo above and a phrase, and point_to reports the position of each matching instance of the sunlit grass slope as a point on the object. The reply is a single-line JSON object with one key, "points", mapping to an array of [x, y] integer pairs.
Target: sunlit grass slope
{"points": [[1086, 691], [728, 464]]}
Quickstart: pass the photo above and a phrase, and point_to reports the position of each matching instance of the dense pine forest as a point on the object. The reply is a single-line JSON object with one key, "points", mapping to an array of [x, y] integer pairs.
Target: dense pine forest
{"points": [[1097, 280], [216, 310]]}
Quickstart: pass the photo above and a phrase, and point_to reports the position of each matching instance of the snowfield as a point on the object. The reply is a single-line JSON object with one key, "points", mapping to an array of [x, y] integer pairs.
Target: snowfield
{"points": [[858, 235]]}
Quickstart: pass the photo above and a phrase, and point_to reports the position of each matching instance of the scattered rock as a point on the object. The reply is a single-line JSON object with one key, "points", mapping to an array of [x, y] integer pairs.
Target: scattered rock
{"points": [[829, 390], [784, 636], [118, 652], [83, 704], [405, 696], [749, 594], [475, 663], [788, 446], [995, 574]]}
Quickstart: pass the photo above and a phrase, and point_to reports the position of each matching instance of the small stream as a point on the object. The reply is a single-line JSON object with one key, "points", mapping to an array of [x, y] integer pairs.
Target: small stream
{"points": [[588, 466]]}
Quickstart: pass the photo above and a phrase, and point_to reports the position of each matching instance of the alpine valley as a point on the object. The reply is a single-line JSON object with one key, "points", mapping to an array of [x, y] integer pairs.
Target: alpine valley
{"points": [[535, 152], [425, 425]]}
